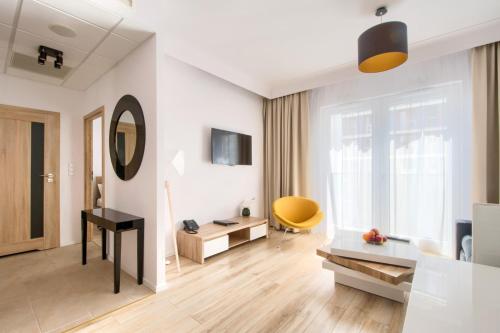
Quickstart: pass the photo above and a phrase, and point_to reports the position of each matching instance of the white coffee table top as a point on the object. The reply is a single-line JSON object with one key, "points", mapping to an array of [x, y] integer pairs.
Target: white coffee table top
{"points": [[453, 296], [351, 244]]}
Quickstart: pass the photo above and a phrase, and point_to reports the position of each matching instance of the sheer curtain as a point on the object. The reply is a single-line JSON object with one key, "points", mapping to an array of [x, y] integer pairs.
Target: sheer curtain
{"points": [[393, 150]]}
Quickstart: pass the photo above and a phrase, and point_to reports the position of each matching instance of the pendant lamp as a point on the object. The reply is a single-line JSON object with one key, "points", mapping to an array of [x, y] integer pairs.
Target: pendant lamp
{"points": [[382, 47]]}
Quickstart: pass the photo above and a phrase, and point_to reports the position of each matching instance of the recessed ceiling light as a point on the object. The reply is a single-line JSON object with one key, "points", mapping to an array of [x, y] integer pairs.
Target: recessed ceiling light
{"points": [[62, 30]]}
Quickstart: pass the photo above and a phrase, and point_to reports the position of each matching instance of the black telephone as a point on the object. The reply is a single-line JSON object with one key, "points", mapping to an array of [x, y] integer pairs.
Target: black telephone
{"points": [[190, 226]]}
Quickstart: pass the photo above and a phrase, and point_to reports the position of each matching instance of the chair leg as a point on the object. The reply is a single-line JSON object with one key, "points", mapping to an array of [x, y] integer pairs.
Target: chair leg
{"points": [[282, 238]]}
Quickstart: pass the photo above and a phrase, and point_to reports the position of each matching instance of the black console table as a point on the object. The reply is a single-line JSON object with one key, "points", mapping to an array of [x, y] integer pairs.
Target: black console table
{"points": [[118, 222]]}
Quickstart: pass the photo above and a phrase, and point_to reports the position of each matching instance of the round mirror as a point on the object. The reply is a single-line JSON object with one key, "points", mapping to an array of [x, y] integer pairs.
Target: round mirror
{"points": [[127, 137]]}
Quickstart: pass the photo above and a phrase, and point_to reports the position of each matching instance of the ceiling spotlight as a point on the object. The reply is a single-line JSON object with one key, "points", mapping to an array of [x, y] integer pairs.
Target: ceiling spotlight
{"points": [[43, 55], [45, 51], [59, 61]]}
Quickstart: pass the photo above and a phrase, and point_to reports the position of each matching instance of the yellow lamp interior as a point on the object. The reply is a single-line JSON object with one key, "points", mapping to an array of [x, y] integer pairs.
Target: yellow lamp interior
{"points": [[383, 62]]}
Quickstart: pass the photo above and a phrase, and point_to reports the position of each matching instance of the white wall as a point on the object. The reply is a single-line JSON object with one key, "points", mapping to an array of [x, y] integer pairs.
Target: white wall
{"points": [[24, 93], [180, 105], [97, 147], [192, 102], [135, 75]]}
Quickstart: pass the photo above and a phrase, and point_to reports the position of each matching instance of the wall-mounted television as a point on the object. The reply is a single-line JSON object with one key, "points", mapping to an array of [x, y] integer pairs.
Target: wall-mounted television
{"points": [[231, 148]]}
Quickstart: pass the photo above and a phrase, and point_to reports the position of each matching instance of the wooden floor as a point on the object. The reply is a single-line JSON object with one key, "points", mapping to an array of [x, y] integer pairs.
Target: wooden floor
{"points": [[257, 287]]}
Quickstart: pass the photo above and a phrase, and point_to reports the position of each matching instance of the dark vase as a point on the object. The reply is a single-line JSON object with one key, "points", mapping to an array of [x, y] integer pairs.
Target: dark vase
{"points": [[245, 211]]}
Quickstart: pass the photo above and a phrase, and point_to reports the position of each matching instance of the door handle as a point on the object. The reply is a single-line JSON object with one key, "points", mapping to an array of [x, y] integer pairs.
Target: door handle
{"points": [[49, 176]]}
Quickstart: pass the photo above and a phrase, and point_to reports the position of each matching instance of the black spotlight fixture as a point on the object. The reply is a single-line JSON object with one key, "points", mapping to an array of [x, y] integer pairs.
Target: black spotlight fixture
{"points": [[59, 61], [42, 57], [45, 51], [382, 47]]}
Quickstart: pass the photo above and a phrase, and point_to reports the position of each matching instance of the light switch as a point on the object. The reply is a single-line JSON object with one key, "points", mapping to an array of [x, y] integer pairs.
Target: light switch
{"points": [[71, 170]]}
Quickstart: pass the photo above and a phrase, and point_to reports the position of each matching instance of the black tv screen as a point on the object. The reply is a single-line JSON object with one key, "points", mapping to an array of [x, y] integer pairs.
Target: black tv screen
{"points": [[231, 148]]}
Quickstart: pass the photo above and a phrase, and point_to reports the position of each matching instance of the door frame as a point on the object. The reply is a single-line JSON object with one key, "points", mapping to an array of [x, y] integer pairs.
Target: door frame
{"points": [[88, 159], [52, 160]]}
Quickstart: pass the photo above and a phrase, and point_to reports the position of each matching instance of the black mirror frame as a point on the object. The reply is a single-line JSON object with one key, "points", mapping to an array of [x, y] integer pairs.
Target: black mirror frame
{"points": [[128, 103]]}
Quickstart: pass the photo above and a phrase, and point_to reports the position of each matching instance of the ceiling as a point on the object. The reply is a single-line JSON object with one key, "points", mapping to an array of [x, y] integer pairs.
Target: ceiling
{"points": [[103, 35], [270, 47], [274, 47]]}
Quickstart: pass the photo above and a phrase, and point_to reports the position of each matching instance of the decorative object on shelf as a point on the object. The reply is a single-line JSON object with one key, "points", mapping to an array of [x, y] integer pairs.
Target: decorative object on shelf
{"points": [[245, 211], [382, 47], [246, 207], [127, 137]]}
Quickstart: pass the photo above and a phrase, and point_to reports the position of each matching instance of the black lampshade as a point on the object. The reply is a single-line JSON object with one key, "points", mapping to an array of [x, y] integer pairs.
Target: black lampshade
{"points": [[382, 47]]}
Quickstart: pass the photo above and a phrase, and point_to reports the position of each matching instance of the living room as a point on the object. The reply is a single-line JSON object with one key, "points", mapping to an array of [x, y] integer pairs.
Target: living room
{"points": [[249, 166]]}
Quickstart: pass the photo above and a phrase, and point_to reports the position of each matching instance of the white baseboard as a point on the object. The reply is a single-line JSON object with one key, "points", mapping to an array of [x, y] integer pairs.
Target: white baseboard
{"points": [[146, 282], [158, 288]]}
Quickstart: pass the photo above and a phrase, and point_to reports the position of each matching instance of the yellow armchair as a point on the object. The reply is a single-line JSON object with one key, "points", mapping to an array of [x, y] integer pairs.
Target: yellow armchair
{"points": [[297, 212]]}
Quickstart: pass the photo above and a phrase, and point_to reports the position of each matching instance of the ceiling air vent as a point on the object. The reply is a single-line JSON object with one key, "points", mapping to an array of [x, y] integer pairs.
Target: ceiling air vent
{"points": [[30, 64]]}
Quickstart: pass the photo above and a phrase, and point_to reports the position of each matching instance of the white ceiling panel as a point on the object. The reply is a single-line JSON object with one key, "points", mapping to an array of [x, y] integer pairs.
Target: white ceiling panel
{"points": [[85, 11], [4, 43], [28, 44], [4, 36], [7, 11], [36, 18], [33, 76], [131, 30], [115, 47], [91, 70]]}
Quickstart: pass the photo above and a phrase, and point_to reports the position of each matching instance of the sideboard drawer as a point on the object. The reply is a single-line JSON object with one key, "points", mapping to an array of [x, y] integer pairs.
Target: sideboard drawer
{"points": [[258, 231], [216, 245]]}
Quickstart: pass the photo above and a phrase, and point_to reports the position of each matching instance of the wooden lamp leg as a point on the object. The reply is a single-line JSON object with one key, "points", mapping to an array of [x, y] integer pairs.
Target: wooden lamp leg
{"points": [[172, 224]]}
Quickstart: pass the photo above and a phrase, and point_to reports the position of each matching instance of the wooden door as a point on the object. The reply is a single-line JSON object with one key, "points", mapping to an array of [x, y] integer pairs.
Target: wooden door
{"points": [[29, 179]]}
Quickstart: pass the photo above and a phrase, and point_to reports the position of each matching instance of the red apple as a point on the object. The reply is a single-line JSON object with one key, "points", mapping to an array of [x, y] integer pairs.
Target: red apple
{"points": [[375, 230]]}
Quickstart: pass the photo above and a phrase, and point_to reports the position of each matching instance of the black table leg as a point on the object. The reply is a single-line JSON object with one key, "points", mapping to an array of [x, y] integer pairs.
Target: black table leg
{"points": [[117, 250], [140, 254], [84, 239], [103, 244]]}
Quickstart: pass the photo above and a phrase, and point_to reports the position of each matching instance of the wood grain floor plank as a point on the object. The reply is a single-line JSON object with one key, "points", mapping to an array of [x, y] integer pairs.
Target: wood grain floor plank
{"points": [[257, 287]]}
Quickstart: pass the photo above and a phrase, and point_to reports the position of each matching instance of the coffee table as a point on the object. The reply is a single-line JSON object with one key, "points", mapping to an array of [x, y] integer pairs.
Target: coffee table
{"points": [[384, 270]]}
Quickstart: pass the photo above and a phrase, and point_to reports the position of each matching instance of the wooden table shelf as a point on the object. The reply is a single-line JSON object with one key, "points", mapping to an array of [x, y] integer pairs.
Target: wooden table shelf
{"points": [[235, 241], [212, 238], [389, 273]]}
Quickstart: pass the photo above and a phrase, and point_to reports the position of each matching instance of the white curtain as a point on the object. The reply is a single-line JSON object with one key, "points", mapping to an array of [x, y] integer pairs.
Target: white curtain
{"points": [[392, 150]]}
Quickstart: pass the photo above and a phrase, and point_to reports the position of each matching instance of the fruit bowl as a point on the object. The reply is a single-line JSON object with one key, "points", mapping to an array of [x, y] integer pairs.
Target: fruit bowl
{"points": [[374, 237]]}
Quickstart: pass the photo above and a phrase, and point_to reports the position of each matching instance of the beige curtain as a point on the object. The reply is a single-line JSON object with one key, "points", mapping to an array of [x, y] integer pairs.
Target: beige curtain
{"points": [[485, 122], [286, 148]]}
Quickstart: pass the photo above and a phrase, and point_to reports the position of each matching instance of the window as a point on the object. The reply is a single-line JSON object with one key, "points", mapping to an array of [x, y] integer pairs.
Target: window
{"points": [[397, 162]]}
